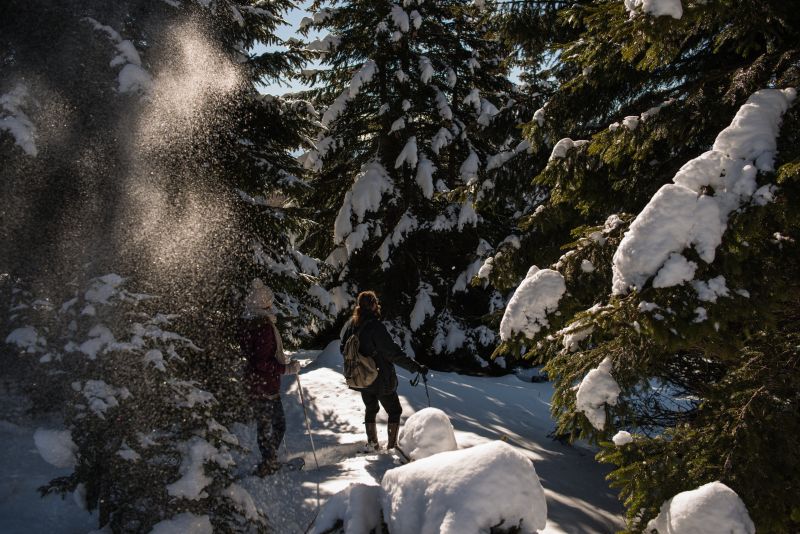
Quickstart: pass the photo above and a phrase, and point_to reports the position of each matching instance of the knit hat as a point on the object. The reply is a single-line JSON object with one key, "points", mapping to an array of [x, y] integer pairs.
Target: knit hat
{"points": [[260, 296]]}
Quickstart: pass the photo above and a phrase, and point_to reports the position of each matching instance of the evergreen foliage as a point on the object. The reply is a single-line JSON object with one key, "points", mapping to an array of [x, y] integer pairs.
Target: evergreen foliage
{"points": [[183, 181], [148, 444], [707, 383], [418, 101]]}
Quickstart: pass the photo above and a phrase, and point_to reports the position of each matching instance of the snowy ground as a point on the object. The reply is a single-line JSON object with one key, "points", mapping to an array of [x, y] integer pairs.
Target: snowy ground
{"points": [[22, 470], [481, 409]]}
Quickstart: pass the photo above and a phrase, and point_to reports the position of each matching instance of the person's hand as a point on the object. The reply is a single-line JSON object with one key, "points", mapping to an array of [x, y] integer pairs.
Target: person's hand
{"points": [[292, 368], [423, 370]]}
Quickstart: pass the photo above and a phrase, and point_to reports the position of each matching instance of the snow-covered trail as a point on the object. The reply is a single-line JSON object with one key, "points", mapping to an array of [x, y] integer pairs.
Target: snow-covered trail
{"points": [[481, 409]]}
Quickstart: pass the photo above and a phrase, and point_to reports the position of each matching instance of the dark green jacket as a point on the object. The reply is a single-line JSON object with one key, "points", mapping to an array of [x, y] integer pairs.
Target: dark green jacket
{"points": [[374, 341]]}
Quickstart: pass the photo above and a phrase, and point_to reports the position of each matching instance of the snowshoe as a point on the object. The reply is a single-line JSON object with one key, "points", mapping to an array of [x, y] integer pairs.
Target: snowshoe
{"points": [[293, 464]]}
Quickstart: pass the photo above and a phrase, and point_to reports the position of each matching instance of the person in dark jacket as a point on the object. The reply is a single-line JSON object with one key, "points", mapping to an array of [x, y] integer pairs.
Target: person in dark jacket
{"points": [[375, 341], [261, 344]]}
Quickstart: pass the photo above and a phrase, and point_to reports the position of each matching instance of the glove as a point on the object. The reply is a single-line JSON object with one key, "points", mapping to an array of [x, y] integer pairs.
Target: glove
{"points": [[292, 368], [423, 370]]}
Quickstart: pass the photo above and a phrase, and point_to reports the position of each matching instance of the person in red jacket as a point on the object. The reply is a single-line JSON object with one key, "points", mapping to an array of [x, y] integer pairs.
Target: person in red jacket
{"points": [[261, 344]]}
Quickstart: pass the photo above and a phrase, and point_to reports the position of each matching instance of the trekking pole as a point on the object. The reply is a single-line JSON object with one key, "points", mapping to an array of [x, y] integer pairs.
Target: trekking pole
{"points": [[313, 448], [415, 381]]}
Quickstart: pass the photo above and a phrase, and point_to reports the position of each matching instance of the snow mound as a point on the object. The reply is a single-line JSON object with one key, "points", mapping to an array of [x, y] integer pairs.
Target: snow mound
{"points": [[330, 356], [183, 523], [357, 506], [709, 509], [426, 433], [465, 491], [56, 447], [597, 389], [537, 296]]}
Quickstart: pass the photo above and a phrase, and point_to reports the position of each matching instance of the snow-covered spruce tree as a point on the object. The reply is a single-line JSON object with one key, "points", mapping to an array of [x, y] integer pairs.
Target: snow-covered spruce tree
{"points": [[666, 302], [144, 439], [412, 93], [267, 178], [172, 175]]}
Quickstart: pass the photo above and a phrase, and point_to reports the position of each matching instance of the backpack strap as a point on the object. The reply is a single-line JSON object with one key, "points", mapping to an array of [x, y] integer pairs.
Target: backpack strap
{"points": [[360, 328]]}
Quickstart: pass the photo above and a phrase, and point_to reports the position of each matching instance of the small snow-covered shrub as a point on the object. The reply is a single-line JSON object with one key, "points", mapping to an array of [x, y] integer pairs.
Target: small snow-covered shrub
{"points": [[709, 509], [465, 491], [147, 443], [426, 433]]}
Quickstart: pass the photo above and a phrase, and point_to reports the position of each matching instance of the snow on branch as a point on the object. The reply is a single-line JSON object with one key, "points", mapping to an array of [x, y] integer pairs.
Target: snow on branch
{"points": [[363, 76], [693, 211], [538, 295], [14, 121], [597, 389], [655, 8], [423, 306], [369, 187], [132, 77], [564, 145]]}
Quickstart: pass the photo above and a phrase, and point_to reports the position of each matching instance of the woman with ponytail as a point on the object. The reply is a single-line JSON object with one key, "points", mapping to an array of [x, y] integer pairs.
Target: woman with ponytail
{"points": [[375, 342]]}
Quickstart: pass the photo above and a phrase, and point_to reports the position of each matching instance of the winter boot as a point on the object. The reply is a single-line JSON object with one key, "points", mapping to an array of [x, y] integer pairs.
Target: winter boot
{"points": [[393, 429], [372, 436]]}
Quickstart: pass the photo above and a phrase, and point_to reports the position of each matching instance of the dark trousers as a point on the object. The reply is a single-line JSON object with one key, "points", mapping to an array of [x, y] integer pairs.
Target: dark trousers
{"points": [[390, 403], [271, 426]]}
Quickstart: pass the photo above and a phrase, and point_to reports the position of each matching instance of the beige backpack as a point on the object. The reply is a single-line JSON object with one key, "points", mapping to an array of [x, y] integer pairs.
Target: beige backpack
{"points": [[360, 371]]}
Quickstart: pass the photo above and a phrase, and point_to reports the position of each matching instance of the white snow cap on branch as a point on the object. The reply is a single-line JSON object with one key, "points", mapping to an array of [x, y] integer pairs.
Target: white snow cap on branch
{"points": [[365, 195], [425, 69], [597, 389], [623, 437], [423, 307], [325, 44], [469, 168], [425, 170], [132, 77], [501, 158], [680, 216], [400, 18], [537, 295], [473, 99], [466, 216], [563, 146], [539, 116], [16, 122], [416, 19], [709, 509], [443, 137], [656, 8], [363, 76], [408, 154], [399, 124], [407, 224], [445, 111]]}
